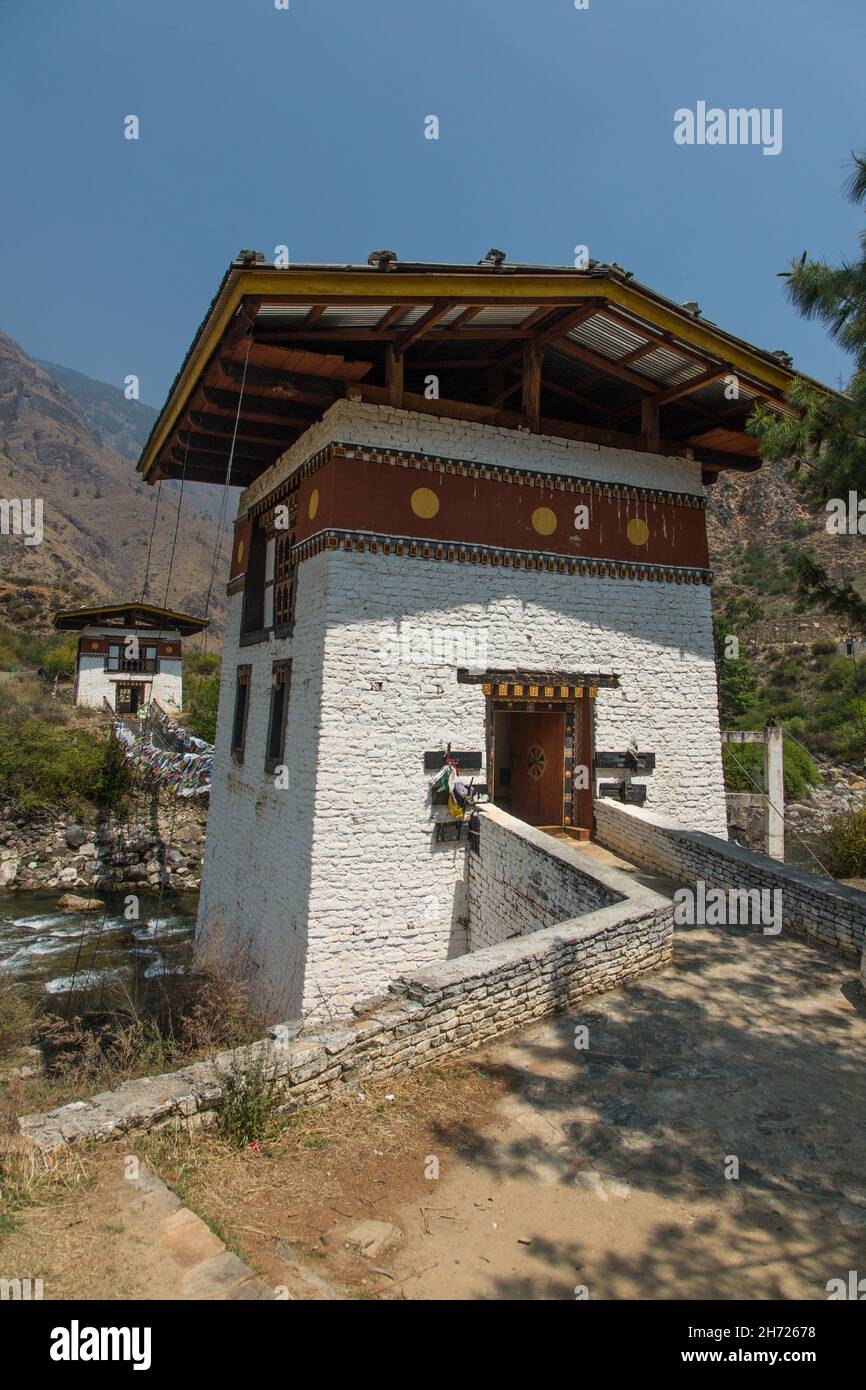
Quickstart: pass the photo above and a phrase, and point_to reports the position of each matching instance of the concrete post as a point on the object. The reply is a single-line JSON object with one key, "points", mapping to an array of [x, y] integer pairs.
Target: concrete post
{"points": [[774, 787]]}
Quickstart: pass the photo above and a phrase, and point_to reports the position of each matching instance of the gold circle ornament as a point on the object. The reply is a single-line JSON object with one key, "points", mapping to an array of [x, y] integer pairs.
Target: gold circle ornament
{"points": [[424, 502], [637, 531], [544, 521], [313, 504]]}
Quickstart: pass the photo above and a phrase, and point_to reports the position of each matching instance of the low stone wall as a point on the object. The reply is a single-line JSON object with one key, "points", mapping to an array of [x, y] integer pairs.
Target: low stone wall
{"points": [[521, 880], [444, 1010], [828, 913]]}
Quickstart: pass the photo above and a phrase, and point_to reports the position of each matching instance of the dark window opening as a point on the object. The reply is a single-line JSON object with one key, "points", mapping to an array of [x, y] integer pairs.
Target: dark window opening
{"points": [[278, 716], [242, 704], [253, 619]]}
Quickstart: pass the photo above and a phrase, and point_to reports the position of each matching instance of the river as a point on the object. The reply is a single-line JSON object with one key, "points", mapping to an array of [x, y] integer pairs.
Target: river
{"points": [[108, 958]]}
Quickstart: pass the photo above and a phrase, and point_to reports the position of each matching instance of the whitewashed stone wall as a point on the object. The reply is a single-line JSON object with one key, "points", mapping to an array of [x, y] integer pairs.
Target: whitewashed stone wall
{"points": [[828, 913], [521, 880], [385, 426], [254, 900], [336, 886], [96, 684]]}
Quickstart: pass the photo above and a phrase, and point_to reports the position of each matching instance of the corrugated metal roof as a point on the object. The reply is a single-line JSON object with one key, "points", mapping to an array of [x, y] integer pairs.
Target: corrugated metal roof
{"points": [[604, 336]]}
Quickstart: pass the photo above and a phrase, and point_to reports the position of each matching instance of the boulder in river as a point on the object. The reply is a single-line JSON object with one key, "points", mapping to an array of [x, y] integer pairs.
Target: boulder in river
{"points": [[70, 902]]}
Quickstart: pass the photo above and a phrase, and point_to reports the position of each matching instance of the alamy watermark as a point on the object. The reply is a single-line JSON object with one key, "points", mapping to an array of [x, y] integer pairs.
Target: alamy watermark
{"points": [[846, 517], [737, 126], [424, 645], [22, 516], [729, 907]]}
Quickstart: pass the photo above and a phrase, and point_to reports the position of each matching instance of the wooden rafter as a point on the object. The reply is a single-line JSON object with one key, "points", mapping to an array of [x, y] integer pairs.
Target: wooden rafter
{"points": [[284, 383], [313, 316], [604, 365], [221, 444], [394, 313], [255, 407], [467, 314], [247, 428], [418, 329], [216, 458]]}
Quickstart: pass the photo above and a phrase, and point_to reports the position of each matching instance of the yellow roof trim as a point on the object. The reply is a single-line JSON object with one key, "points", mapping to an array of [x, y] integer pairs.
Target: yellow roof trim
{"points": [[318, 285]]}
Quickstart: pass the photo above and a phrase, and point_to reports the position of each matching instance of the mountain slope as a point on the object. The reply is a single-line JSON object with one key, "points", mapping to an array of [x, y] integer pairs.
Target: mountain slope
{"points": [[98, 515], [755, 522], [123, 426]]}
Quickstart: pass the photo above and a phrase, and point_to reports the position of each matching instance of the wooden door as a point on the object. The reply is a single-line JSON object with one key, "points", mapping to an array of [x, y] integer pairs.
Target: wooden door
{"points": [[537, 747], [128, 698]]}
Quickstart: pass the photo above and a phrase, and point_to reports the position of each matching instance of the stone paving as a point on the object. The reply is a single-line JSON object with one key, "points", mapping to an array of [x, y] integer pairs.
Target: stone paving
{"points": [[193, 1262]]}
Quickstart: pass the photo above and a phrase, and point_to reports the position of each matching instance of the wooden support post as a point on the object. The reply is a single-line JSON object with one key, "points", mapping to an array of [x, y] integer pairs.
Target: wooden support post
{"points": [[774, 786], [649, 424], [532, 355], [394, 375]]}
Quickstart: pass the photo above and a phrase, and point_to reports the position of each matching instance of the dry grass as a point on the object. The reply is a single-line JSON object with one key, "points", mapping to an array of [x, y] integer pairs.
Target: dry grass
{"points": [[207, 1011], [17, 1017], [28, 1177], [327, 1165]]}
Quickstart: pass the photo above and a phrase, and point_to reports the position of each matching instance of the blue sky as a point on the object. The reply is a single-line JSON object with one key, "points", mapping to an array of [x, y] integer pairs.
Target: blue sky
{"points": [[306, 127]]}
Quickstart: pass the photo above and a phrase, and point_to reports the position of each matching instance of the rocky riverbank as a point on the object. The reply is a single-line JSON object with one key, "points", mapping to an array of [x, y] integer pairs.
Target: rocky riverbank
{"points": [[165, 849], [842, 788]]}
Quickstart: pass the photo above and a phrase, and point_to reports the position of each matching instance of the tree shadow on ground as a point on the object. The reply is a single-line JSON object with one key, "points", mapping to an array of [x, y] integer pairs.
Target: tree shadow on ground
{"points": [[732, 1088]]}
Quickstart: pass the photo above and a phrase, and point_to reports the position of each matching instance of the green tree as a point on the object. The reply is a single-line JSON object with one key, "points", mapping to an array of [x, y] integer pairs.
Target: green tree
{"points": [[738, 684], [202, 699]]}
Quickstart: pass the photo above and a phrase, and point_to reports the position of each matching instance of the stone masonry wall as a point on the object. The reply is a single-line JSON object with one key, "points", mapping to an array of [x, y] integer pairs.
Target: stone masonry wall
{"points": [[336, 885], [828, 913], [439, 1012], [522, 880]]}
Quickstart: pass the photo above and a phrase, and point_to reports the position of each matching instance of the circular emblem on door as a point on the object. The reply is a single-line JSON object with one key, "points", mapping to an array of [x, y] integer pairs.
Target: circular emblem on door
{"points": [[536, 762]]}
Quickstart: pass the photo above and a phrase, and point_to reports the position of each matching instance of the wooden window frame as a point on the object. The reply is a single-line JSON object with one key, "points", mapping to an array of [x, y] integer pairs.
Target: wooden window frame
{"points": [[281, 675], [284, 582], [243, 678]]}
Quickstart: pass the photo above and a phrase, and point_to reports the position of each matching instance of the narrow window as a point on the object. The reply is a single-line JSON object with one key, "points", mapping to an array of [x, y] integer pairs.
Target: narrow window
{"points": [[114, 656], [278, 716], [253, 619], [242, 706]]}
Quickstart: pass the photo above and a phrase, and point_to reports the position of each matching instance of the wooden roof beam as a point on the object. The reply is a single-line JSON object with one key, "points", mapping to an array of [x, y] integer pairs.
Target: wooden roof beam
{"points": [[286, 384], [255, 407], [221, 445], [244, 320], [246, 429], [411, 335], [466, 316], [579, 399], [313, 316], [603, 365], [203, 460], [394, 313], [676, 393]]}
